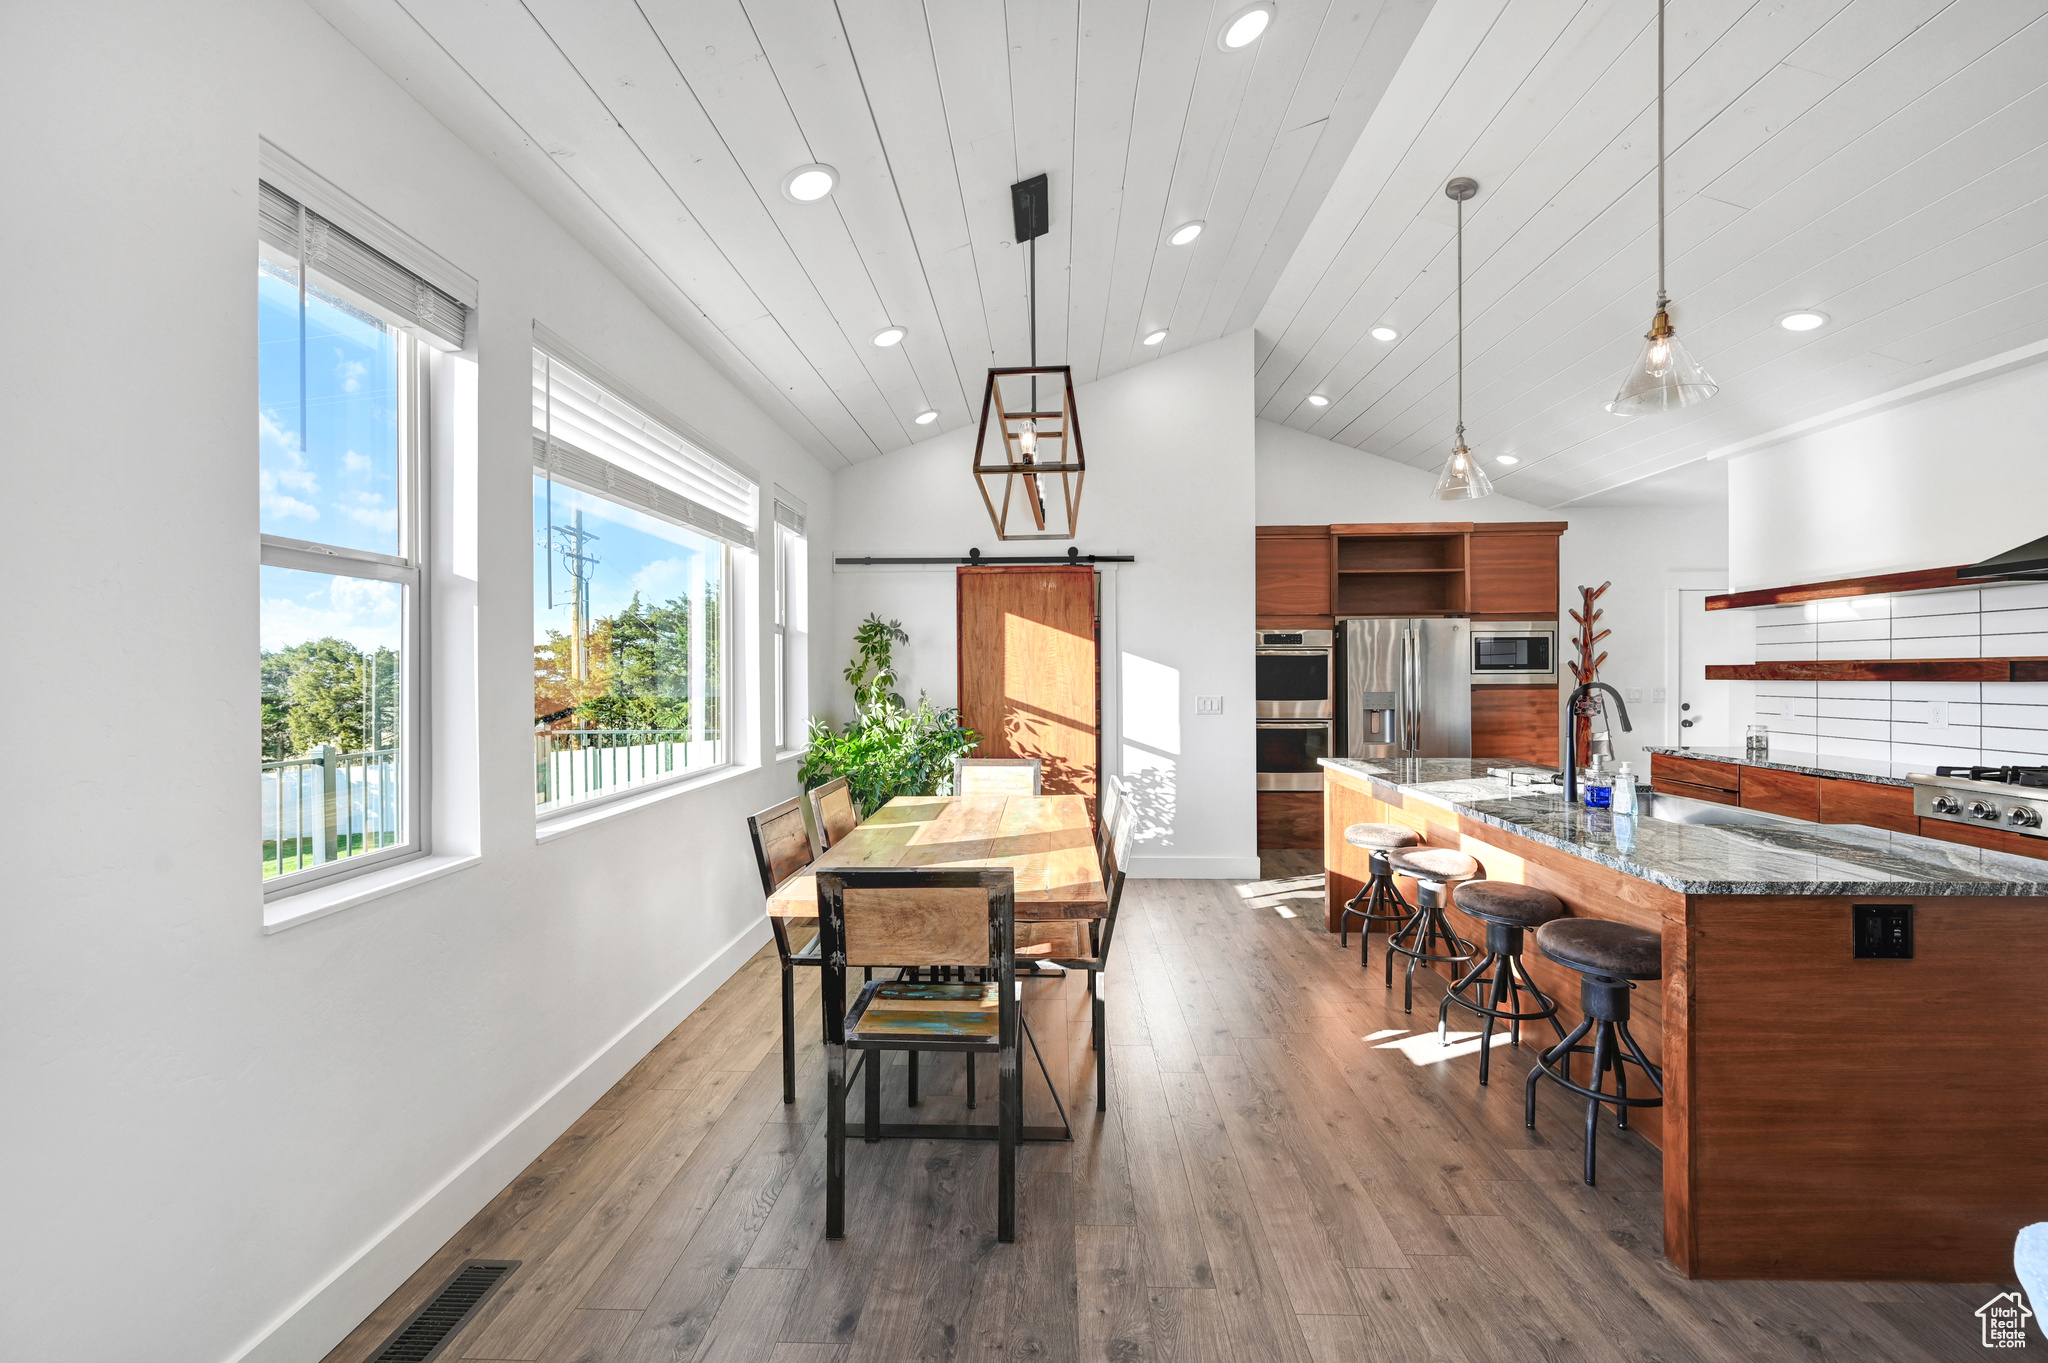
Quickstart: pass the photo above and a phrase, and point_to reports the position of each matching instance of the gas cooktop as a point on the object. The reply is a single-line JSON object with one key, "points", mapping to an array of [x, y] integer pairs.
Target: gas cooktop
{"points": [[2001, 796]]}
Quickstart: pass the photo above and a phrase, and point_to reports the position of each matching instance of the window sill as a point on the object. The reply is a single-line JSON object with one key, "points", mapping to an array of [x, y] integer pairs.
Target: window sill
{"points": [[791, 755], [322, 900], [561, 823]]}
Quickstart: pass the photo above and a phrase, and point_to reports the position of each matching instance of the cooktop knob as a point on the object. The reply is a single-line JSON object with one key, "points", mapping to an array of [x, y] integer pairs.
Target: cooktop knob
{"points": [[2023, 816], [1947, 804], [1983, 809]]}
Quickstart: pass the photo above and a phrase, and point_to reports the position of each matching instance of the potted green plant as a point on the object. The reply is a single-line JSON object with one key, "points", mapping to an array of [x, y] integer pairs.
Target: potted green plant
{"points": [[888, 748]]}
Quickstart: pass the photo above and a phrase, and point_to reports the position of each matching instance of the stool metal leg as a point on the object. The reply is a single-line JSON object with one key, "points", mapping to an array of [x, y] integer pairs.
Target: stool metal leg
{"points": [[1606, 1016]]}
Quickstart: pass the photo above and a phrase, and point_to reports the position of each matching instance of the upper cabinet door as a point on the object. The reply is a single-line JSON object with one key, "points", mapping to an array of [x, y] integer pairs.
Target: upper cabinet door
{"points": [[1293, 577], [1512, 576]]}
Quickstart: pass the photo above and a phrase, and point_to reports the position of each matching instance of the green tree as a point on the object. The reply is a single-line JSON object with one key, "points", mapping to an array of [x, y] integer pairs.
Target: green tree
{"points": [[329, 691]]}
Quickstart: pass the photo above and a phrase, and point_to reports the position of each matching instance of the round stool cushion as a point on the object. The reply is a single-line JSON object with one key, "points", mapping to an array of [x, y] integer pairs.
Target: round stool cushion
{"points": [[1594, 946], [1381, 837], [1433, 863], [1498, 901]]}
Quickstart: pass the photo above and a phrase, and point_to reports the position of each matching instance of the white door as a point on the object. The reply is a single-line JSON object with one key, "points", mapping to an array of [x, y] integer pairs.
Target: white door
{"points": [[1705, 717]]}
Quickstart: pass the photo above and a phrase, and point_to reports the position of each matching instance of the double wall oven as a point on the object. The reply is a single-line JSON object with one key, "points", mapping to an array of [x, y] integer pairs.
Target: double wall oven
{"points": [[1297, 700]]}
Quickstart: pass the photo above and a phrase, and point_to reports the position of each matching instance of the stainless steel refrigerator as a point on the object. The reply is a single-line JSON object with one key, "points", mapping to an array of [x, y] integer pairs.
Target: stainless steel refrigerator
{"points": [[1407, 688]]}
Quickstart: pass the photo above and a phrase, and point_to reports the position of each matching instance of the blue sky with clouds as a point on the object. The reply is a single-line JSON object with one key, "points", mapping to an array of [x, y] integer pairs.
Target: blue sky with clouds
{"points": [[634, 551], [329, 468]]}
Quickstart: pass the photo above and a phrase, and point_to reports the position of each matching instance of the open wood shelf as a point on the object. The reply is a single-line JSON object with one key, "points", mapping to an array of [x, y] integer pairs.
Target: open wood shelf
{"points": [[1385, 572], [1920, 580], [1889, 669]]}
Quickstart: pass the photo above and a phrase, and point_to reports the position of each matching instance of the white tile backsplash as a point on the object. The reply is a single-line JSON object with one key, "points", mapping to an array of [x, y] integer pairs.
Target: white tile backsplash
{"points": [[1982, 722]]}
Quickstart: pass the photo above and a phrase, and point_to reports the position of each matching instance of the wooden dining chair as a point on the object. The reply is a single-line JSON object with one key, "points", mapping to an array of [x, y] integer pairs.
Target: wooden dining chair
{"points": [[782, 848], [1114, 795], [922, 919], [833, 812], [996, 775], [1101, 933]]}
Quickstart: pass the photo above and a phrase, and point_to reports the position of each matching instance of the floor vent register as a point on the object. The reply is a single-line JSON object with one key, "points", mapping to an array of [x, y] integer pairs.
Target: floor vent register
{"points": [[429, 1329]]}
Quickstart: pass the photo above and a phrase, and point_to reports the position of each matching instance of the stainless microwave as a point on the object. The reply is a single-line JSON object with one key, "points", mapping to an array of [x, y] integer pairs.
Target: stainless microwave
{"points": [[1518, 653]]}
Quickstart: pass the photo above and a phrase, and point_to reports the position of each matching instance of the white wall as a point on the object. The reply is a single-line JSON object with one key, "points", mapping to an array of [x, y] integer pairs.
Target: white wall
{"points": [[1170, 480], [1951, 478], [252, 1123], [1306, 480]]}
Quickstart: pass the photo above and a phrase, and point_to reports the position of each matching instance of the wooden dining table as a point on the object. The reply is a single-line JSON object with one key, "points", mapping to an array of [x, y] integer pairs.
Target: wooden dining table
{"points": [[1047, 840]]}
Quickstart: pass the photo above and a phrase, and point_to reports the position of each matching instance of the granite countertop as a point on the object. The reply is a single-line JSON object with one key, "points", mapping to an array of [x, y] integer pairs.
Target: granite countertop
{"points": [[1761, 854], [1846, 768]]}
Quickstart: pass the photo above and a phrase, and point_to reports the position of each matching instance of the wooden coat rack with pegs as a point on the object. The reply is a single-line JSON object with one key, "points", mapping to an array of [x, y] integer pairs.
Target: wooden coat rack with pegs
{"points": [[1587, 666]]}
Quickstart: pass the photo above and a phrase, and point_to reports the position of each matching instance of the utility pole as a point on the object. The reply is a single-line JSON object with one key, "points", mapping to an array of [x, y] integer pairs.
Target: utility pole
{"points": [[579, 562]]}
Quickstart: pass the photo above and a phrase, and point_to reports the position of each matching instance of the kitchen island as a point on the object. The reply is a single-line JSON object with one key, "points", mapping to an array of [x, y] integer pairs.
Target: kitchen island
{"points": [[1825, 1116]]}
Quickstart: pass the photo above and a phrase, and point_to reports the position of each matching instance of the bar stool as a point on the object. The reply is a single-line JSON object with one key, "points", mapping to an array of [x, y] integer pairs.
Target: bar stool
{"points": [[1607, 956], [1431, 868], [1378, 839], [1508, 911]]}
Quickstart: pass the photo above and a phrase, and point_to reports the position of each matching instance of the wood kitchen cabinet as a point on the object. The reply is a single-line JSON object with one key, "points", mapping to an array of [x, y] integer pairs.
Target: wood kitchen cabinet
{"points": [[1511, 571], [1870, 804], [1517, 722], [1290, 820], [1293, 590], [1791, 793], [1991, 839], [1726, 777]]}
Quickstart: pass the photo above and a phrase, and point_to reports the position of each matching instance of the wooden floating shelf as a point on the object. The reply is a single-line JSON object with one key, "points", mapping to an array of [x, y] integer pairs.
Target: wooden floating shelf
{"points": [[1889, 669], [1391, 572], [1921, 580]]}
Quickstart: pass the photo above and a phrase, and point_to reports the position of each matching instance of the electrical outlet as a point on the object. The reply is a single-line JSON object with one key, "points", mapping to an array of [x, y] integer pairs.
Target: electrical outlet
{"points": [[1208, 705], [1937, 714]]}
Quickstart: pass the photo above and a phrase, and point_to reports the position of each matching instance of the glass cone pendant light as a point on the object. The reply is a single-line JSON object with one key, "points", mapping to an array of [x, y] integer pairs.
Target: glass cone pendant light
{"points": [[1666, 376], [1462, 479]]}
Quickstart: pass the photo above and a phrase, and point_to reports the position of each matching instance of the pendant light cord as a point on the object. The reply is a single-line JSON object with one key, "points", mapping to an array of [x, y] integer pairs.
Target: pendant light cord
{"points": [[1661, 297], [1461, 321]]}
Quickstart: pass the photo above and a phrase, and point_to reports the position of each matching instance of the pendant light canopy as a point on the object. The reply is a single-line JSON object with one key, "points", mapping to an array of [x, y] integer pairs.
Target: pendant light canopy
{"points": [[1462, 479], [1665, 376]]}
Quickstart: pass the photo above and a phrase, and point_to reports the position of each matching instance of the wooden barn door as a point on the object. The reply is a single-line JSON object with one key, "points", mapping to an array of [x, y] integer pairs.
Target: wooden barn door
{"points": [[1030, 680]]}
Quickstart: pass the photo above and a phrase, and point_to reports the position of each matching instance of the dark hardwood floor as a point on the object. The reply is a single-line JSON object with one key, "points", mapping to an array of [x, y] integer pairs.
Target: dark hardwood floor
{"points": [[1289, 1170]]}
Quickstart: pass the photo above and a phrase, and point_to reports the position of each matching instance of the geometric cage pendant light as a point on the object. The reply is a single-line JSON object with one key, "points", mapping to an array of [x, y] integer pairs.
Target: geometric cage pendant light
{"points": [[1036, 446], [1665, 376], [1461, 479]]}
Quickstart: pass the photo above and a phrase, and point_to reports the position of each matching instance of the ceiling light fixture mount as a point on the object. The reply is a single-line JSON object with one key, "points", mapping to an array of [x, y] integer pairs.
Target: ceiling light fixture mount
{"points": [[1665, 376], [889, 336], [1805, 319], [1186, 232], [808, 184], [1462, 480], [926, 417], [1318, 400], [1384, 333], [1505, 459], [1155, 337], [1032, 445], [1243, 28]]}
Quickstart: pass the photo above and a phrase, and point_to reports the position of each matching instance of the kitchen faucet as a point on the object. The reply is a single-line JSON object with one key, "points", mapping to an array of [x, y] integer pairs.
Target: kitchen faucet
{"points": [[1571, 734]]}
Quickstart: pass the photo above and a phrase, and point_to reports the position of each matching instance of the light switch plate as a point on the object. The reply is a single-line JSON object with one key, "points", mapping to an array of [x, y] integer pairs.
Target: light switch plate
{"points": [[1657, 696], [1208, 705], [1634, 694]]}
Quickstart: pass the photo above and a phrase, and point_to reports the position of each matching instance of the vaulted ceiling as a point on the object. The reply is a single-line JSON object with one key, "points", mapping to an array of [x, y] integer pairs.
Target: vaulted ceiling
{"points": [[661, 131], [1880, 160]]}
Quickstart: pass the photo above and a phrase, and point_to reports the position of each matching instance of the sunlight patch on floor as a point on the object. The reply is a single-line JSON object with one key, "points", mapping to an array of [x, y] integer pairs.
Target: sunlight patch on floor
{"points": [[1422, 1048]]}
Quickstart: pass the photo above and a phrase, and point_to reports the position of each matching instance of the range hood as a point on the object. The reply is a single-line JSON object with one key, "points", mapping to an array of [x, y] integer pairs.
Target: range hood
{"points": [[2029, 560]]}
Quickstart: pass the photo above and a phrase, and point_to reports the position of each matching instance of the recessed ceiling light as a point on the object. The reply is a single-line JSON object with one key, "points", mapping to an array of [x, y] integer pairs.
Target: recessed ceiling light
{"points": [[1803, 320], [888, 336], [807, 184], [1505, 459], [926, 418], [1186, 233], [1245, 26], [1156, 337], [1318, 400], [1384, 333]]}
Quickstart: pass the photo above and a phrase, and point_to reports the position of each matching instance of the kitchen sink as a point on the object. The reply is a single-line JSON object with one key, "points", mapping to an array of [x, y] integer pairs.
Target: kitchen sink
{"points": [[1682, 809]]}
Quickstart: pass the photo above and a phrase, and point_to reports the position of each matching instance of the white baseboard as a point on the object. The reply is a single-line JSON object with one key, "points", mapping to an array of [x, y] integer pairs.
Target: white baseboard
{"points": [[1194, 868], [318, 1321]]}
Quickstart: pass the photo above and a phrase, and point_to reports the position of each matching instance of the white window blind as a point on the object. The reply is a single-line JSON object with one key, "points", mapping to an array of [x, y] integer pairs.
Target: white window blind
{"points": [[359, 267], [787, 515], [587, 436]]}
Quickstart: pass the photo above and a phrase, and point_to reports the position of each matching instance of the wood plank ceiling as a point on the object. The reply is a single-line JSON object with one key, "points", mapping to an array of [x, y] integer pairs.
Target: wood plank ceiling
{"points": [[1883, 161], [659, 131]]}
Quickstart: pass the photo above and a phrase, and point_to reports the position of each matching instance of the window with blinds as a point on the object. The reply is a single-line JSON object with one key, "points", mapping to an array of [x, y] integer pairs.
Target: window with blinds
{"points": [[634, 529], [792, 630]]}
